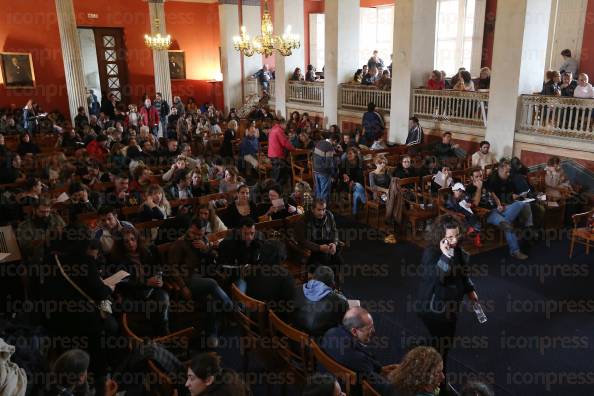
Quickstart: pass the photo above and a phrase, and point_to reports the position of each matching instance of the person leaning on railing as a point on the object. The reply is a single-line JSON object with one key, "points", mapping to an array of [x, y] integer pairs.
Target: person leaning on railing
{"points": [[551, 86], [436, 82], [568, 84], [297, 75]]}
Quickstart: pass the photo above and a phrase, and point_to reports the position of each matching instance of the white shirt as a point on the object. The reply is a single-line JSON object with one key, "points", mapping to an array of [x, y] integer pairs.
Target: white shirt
{"points": [[482, 160], [584, 92]]}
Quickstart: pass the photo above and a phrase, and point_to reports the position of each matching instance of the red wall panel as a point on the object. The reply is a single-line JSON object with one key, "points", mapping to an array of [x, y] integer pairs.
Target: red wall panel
{"points": [[32, 26], [587, 54]]}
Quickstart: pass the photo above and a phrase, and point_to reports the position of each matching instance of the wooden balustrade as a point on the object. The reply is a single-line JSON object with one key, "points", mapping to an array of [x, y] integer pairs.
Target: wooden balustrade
{"points": [[306, 92], [557, 116], [460, 107], [357, 97]]}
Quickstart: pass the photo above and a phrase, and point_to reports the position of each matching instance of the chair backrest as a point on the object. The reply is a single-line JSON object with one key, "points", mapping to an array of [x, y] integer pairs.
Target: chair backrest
{"points": [[252, 314], [9, 245], [368, 389], [291, 345], [347, 376], [412, 184]]}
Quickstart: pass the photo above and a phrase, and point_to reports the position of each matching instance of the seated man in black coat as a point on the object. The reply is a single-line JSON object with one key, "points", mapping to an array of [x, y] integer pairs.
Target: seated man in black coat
{"points": [[319, 306], [347, 344], [319, 234]]}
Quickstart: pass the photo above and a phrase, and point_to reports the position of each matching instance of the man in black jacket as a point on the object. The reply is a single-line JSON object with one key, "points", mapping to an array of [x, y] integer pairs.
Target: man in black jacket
{"points": [[319, 306], [320, 235]]}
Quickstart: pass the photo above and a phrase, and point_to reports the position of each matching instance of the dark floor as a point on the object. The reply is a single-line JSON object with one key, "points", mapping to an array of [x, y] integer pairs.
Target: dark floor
{"points": [[540, 331]]}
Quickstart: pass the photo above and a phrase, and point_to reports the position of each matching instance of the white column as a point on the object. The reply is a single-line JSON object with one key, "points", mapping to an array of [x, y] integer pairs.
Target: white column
{"points": [[413, 60], [287, 12], [72, 57], [230, 58], [476, 58], [252, 20], [160, 58], [519, 54], [340, 51]]}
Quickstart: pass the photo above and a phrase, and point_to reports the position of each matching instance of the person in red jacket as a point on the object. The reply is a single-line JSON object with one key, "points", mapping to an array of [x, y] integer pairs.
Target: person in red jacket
{"points": [[97, 149], [149, 116], [278, 145]]}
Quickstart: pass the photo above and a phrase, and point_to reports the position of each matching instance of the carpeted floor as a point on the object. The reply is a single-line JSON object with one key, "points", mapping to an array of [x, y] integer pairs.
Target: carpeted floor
{"points": [[539, 336], [540, 330]]}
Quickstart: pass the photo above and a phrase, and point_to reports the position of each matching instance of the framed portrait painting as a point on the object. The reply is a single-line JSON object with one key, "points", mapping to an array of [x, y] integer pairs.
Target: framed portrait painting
{"points": [[17, 70], [177, 64]]}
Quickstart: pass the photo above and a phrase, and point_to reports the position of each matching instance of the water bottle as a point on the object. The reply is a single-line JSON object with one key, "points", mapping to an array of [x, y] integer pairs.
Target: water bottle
{"points": [[480, 314]]}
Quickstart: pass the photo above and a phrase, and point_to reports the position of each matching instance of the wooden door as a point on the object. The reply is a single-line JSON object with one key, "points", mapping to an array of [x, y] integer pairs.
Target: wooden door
{"points": [[111, 59]]}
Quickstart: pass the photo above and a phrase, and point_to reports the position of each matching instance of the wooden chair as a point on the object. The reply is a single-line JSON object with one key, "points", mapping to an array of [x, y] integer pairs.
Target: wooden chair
{"points": [[373, 201], [291, 346], [301, 166], [162, 382], [582, 232], [368, 389], [252, 316], [413, 211], [347, 377]]}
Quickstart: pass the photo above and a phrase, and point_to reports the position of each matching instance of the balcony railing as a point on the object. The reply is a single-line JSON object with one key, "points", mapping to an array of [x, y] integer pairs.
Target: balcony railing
{"points": [[254, 87], [460, 107], [357, 97], [557, 116], [306, 92]]}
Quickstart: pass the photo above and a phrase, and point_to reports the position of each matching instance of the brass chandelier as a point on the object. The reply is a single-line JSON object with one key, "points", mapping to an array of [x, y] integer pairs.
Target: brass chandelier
{"points": [[267, 42], [155, 41]]}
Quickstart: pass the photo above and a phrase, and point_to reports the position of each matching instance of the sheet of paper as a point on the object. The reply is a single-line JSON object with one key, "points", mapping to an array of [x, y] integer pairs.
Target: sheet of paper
{"points": [[466, 206], [62, 197], [116, 278], [4, 256], [528, 200]]}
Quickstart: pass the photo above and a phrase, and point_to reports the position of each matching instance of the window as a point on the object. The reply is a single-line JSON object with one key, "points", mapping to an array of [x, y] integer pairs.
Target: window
{"points": [[456, 34], [376, 33]]}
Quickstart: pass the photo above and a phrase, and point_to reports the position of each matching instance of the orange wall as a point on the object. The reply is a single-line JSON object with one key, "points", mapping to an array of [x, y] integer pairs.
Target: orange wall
{"points": [[31, 26], [375, 3]]}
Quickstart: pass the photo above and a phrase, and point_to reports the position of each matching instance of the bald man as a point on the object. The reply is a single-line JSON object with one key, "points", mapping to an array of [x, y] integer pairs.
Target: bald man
{"points": [[347, 344]]}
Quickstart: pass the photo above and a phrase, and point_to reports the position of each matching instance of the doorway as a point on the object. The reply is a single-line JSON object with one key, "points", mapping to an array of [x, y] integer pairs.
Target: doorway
{"points": [[104, 61]]}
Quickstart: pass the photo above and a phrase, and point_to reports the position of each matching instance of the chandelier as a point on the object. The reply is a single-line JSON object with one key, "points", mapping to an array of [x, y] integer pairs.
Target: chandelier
{"points": [[156, 42], [267, 42]]}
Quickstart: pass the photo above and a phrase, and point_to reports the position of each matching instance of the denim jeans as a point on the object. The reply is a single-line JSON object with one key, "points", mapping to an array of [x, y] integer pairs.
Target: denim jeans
{"points": [[358, 195], [322, 186], [203, 287], [509, 215]]}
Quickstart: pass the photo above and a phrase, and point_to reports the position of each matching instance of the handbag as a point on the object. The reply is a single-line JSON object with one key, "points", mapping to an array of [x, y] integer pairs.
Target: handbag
{"points": [[104, 306]]}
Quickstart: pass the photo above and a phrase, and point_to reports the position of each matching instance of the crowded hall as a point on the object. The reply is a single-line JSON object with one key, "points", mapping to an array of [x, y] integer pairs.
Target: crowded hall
{"points": [[296, 197]]}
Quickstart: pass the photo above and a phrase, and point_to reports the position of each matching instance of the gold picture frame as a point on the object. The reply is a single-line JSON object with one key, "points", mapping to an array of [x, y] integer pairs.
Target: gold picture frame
{"points": [[177, 64], [17, 70]]}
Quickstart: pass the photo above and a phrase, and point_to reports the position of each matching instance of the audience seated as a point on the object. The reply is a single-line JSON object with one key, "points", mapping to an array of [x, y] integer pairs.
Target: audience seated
{"points": [[436, 81], [241, 208], [484, 80], [568, 85], [110, 228]]}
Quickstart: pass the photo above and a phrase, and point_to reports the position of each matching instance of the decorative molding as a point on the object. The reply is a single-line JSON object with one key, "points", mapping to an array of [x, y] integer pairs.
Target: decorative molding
{"points": [[232, 2]]}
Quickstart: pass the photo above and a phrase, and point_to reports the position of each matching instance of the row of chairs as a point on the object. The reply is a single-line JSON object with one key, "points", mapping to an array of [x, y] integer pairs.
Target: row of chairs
{"points": [[300, 355]]}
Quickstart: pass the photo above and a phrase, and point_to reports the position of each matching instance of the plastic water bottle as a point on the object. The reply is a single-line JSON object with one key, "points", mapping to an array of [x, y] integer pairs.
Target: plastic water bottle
{"points": [[480, 314]]}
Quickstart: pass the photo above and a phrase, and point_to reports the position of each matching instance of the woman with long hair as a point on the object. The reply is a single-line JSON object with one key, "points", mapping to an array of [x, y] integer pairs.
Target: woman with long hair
{"points": [[445, 281], [145, 283], [227, 145], [27, 146], [436, 82], [242, 207], [379, 178], [351, 178], [231, 180], [155, 206], [213, 222], [419, 374]]}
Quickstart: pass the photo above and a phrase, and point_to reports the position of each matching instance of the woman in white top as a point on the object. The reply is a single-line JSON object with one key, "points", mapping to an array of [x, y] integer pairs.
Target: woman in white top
{"points": [[584, 89]]}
